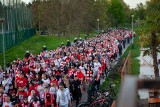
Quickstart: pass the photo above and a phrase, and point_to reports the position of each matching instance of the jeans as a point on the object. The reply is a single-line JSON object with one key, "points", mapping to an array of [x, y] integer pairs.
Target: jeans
{"points": [[63, 105]]}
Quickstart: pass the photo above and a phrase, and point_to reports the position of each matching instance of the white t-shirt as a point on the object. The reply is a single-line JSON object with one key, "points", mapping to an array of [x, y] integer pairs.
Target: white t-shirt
{"points": [[57, 63], [96, 66], [6, 104], [53, 90], [37, 70], [1, 76], [40, 89], [6, 83], [46, 81], [29, 99], [63, 97]]}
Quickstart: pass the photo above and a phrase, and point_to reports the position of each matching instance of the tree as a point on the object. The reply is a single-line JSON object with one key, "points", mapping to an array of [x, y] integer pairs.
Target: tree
{"points": [[116, 12], [66, 17], [1, 13], [140, 11], [152, 40]]}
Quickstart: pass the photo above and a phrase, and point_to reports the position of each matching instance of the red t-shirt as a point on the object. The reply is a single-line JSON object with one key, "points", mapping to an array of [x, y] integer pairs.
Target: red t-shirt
{"points": [[21, 82], [80, 75], [32, 88], [54, 81], [22, 95]]}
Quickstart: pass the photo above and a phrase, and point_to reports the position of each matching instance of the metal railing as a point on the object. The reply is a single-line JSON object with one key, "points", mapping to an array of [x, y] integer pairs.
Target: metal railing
{"points": [[126, 67]]}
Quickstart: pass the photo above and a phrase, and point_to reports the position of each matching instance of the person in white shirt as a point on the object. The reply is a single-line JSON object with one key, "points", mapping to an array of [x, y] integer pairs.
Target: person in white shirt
{"points": [[63, 96], [45, 80], [1, 76], [40, 89], [6, 83], [53, 89], [97, 65], [7, 102], [82, 69], [30, 97]]}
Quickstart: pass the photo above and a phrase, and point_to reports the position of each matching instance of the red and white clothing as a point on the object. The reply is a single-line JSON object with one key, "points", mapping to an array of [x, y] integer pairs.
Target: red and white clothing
{"points": [[46, 81], [25, 105], [21, 82], [2, 98], [96, 66], [7, 104], [70, 72], [83, 70], [6, 83], [48, 100], [103, 64], [89, 75], [40, 89], [98, 76], [80, 75], [36, 104], [22, 95], [54, 81]]}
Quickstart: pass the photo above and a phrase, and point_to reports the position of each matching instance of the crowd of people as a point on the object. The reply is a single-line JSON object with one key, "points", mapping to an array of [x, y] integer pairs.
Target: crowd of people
{"points": [[56, 78]]}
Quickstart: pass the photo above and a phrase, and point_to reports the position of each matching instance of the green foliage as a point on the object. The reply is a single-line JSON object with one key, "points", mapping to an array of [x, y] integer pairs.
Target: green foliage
{"points": [[116, 11], [140, 12], [116, 82], [73, 16], [151, 38], [69, 16]]}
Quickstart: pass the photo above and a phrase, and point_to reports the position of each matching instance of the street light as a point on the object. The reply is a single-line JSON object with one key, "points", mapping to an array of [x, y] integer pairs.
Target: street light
{"points": [[132, 31], [98, 25], [132, 23], [4, 59]]}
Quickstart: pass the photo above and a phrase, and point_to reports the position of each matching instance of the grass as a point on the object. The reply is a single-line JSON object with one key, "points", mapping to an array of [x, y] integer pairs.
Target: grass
{"points": [[34, 45], [135, 53]]}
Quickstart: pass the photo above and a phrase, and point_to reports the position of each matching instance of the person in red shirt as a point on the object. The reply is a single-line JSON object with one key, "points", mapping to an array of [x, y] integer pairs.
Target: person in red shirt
{"points": [[32, 86], [21, 94], [21, 81], [25, 102], [2, 96], [80, 75], [35, 103], [48, 98], [54, 80]]}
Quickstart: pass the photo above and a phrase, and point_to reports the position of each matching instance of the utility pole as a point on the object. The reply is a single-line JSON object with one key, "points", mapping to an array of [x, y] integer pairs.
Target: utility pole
{"points": [[4, 57]]}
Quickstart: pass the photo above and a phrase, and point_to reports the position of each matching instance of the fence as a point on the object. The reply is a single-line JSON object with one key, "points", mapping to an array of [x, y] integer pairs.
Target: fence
{"points": [[17, 24], [126, 67]]}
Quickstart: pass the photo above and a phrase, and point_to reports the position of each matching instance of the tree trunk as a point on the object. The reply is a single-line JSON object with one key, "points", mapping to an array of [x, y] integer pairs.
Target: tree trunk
{"points": [[154, 55]]}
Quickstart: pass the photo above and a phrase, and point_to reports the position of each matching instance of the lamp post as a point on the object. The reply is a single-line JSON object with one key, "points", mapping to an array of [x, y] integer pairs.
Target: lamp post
{"points": [[132, 23], [98, 25], [132, 31], [4, 57]]}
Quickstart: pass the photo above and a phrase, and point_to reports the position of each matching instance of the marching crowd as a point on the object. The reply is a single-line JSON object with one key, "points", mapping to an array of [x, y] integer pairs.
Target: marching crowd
{"points": [[56, 78]]}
